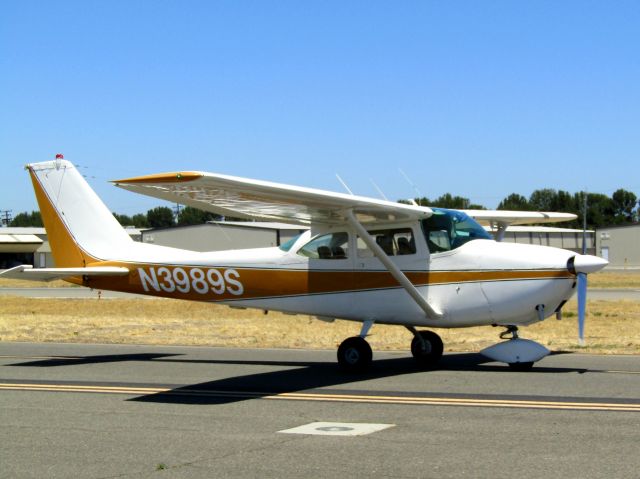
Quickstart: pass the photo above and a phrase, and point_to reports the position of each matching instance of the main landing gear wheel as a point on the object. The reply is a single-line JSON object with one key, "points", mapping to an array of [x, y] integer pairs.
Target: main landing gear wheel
{"points": [[354, 354], [426, 347]]}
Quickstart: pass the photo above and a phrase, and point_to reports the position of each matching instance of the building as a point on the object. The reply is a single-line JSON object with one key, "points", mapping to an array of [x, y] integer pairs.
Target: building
{"points": [[222, 235], [24, 246], [620, 245], [564, 238], [29, 245]]}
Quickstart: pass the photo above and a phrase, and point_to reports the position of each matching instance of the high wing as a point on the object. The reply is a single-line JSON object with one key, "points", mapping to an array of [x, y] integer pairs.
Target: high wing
{"points": [[500, 220], [254, 199], [487, 217], [49, 274]]}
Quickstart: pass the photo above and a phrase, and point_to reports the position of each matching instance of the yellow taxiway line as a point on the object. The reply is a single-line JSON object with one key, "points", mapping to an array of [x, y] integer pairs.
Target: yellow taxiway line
{"points": [[346, 398]]}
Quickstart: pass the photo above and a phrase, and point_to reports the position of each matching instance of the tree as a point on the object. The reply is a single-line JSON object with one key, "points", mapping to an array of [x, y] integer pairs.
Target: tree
{"points": [[160, 217], [565, 202], [140, 221], [474, 206], [449, 201], [624, 205], [124, 220], [194, 216], [515, 202], [600, 209], [545, 199], [27, 219]]}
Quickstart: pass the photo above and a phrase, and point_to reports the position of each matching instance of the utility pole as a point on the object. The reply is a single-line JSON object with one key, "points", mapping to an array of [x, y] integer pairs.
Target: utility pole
{"points": [[6, 217], [584, 224], [176, 211]]}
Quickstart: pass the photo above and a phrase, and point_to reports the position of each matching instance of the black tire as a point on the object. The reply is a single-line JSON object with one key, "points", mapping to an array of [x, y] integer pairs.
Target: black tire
{"points": [[428, 351], [521, 367], [354, 355]]}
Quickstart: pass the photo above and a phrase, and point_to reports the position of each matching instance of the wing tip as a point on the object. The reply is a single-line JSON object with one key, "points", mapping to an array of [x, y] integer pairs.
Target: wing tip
{"points": [[172, 177]]}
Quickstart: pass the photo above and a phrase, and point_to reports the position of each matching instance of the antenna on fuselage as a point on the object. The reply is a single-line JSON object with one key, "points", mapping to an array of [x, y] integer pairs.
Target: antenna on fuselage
{"points": [[378, 189], [344, 184], [415, 188]]}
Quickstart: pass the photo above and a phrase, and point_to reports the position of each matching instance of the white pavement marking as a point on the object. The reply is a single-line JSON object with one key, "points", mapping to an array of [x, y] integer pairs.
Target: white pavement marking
{"points": [[337, 428]]}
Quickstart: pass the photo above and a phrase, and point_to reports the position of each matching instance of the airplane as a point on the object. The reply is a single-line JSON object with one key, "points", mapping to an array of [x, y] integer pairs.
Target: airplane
{"points": [[361, 259]]}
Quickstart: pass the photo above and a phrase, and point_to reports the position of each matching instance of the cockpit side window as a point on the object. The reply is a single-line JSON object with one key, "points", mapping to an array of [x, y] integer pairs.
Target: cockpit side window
{"points": [[329, 246], [394, 242], [446, 230]]}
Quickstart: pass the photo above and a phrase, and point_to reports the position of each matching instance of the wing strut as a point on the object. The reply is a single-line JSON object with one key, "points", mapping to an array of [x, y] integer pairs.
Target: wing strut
{"points": [[500, 228], [392, 268]]}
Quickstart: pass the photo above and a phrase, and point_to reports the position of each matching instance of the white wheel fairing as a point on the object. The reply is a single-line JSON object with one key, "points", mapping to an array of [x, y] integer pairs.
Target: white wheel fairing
{"points": [[516, 351]]}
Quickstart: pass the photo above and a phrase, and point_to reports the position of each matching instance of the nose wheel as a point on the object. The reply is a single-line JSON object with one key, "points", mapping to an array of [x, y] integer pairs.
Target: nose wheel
{"points": [[520, 354]]}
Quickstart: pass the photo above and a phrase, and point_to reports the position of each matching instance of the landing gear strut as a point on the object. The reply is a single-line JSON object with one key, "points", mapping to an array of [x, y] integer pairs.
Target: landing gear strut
{"points": [[426, 347], [511, 331]]}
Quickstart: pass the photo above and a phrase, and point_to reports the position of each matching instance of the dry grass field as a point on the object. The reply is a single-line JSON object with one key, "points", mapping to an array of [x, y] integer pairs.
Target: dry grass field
{"points": [[612, 326], [630, 279], [16, 283]]}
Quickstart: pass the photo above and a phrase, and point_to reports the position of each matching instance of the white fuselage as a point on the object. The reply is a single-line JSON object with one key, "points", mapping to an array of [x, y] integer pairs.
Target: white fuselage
{"points": [[482, 282]]}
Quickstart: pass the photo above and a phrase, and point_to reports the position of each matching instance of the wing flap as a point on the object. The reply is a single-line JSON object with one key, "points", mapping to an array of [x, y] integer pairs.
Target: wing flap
{"points": [[27, 272]]}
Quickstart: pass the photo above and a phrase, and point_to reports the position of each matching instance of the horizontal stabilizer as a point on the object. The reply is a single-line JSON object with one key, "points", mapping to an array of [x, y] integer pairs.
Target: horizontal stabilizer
{"points": [[27, 272]]}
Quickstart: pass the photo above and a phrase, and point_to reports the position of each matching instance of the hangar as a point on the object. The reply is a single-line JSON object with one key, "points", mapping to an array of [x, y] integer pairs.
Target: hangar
{"points": [[30, 245], [24, 246], [564, 238], [221, 235], [620, 245]]}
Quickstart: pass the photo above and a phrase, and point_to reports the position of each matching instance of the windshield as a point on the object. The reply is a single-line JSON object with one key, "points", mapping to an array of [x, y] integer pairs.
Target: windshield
{"points": [[449, 229], [289, 244]]}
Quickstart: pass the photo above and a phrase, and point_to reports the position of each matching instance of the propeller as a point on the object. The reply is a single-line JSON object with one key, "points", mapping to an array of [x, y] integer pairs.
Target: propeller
{"points": [[581, 265], [582, 305]]}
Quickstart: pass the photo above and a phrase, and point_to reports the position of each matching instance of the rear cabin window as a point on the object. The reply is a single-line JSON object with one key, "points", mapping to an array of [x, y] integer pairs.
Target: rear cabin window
{"points": [[330, 246], [394, 242]]}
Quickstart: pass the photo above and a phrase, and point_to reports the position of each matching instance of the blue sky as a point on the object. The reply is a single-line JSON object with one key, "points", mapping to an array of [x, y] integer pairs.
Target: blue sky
{"points": [[476, 98]]}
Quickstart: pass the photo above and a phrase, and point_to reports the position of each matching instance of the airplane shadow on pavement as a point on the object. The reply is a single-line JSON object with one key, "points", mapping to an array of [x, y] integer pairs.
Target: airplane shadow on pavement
{"points": [[300, 376], [309, 377]]}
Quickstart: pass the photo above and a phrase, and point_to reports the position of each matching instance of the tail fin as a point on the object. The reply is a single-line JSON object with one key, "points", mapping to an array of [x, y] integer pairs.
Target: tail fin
{"points": [[80, 228]]}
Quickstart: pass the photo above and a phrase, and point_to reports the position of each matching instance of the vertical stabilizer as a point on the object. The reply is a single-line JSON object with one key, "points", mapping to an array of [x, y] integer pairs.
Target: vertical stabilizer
{"points": [[80, 228]]}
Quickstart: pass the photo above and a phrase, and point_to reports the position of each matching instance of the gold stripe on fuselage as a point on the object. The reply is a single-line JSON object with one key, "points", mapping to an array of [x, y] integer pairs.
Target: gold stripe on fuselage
{"points": [[225, 283]]}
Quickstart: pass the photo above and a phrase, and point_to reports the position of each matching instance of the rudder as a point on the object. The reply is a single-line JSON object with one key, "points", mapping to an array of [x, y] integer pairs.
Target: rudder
{"points": [[80, 228]]}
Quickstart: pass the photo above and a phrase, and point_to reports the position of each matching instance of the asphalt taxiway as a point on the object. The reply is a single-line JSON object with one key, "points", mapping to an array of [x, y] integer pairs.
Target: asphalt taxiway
{"points": [[139, 411]]}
